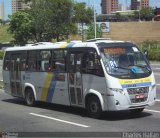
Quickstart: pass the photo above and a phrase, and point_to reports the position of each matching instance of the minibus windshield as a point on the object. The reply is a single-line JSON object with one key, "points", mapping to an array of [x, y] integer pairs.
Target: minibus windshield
{"points": [[125, 62]]}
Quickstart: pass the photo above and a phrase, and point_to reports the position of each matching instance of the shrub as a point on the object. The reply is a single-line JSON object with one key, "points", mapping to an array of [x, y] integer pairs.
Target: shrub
{"points": [[1, 54], [153, 48]]}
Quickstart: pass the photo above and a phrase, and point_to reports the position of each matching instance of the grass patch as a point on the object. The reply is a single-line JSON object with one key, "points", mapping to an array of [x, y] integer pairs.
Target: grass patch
{"points": [[4, 35]]}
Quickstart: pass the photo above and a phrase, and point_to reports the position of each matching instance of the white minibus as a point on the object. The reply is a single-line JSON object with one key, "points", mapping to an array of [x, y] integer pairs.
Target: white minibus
{"points": [[99, 75]]}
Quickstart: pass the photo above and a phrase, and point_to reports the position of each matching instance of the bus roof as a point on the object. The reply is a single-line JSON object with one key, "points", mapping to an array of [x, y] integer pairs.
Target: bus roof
{"points": [[48, 45]]}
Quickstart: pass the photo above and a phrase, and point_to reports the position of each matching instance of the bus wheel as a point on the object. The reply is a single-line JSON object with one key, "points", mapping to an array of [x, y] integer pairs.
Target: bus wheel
{"points": [[94, 107], [29, 97], [136, 111]]}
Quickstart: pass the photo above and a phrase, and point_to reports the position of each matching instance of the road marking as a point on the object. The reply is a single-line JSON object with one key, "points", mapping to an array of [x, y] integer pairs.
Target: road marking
{"points": [[155, 111], [157, 100], [56, 119], [158, 84]]}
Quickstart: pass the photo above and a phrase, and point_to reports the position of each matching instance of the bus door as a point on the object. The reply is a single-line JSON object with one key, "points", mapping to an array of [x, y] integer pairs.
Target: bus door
{"points": [[75, 78], [15, 75]]}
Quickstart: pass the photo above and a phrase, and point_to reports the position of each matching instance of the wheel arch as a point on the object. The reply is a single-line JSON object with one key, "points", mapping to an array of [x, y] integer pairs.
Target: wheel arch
{"points": [[30, 86], [98, 95]]}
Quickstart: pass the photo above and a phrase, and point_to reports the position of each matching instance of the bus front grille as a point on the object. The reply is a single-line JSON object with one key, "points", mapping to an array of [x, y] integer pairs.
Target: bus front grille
{"points": [[140, 90], [138, 95]]}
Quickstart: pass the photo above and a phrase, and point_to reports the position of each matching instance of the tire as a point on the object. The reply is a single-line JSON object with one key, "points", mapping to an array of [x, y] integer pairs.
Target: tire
{"points": [[136, 111], [94, 107], [29, 97]]}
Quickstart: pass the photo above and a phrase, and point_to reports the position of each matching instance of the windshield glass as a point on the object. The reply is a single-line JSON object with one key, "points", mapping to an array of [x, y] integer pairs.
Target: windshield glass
{"points": [[125, 62]]}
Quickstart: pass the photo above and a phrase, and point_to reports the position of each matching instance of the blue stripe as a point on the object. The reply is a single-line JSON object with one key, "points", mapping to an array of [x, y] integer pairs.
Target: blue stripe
{"points": [[70, 45], [136, 85], [51, 88]]}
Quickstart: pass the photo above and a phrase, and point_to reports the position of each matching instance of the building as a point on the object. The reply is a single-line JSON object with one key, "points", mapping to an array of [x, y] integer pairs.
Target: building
{"points": [[144, 3], [18, 5], [109, 6], [139, 4], [157, 14], [2, 11], [157, 11], [123, 7]]}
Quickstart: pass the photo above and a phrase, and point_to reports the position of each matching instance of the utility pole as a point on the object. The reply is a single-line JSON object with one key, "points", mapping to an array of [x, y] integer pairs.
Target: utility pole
{"points": [[95, 27], [139, 10]]}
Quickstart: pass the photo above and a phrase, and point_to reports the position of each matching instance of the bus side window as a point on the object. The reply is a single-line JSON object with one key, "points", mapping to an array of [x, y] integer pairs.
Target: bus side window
{"points": [[7, 61], [31, 61], [59, 60], [23, 56], [44, 61], [91, 64]]}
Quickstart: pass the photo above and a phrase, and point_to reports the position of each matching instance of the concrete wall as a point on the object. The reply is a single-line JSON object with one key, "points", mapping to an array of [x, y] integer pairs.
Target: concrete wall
{"points": [[134, 31]]}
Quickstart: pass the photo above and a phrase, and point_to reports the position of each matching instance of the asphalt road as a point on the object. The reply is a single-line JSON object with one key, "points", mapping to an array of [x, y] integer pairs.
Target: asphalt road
{"points": [[15, 116], [57, 121]]}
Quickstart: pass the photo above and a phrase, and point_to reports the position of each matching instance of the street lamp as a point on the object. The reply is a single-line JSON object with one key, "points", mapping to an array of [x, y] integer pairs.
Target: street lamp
{"points": [[139, 14], [95, 27]]}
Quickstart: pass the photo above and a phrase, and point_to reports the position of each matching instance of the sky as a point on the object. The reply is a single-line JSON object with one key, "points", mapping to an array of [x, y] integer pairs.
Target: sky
{"points": [[8, 5], [153, 3]]}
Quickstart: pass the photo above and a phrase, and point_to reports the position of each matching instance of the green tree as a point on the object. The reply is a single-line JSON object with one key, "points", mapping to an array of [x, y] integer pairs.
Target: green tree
{"points": [[118, 17], [1, 21], [136, 15], [52, 19], [47, 19], [82, 15], [147, 13], [91, 31], [59, 18], [20, 26], [144, 14], [39, 13]]}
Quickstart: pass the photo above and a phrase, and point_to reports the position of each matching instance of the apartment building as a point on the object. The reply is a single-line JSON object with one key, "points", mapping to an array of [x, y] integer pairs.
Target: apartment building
{"points": [[139, 4], [144, 3], [2, 11], [109, 6], [18, 5]]}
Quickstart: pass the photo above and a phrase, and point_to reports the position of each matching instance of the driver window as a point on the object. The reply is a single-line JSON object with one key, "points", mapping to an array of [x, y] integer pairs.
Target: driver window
{"points": [[91, 63]]}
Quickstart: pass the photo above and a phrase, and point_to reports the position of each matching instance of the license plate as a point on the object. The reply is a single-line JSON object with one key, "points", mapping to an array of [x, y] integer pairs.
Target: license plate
{"points": [[139, 96]]}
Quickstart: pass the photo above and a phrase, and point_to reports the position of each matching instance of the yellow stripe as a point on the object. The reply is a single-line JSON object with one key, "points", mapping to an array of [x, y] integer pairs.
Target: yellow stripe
{"points": [[63, 46], [132, 81], [46, 86]]}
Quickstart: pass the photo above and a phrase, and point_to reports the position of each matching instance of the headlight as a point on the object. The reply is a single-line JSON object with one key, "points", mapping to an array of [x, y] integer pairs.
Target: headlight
{"points": [[117, 90]]}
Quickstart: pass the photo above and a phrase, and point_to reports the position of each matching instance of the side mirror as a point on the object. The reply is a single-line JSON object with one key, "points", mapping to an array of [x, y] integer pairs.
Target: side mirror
{"points": [[146, 54]]}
